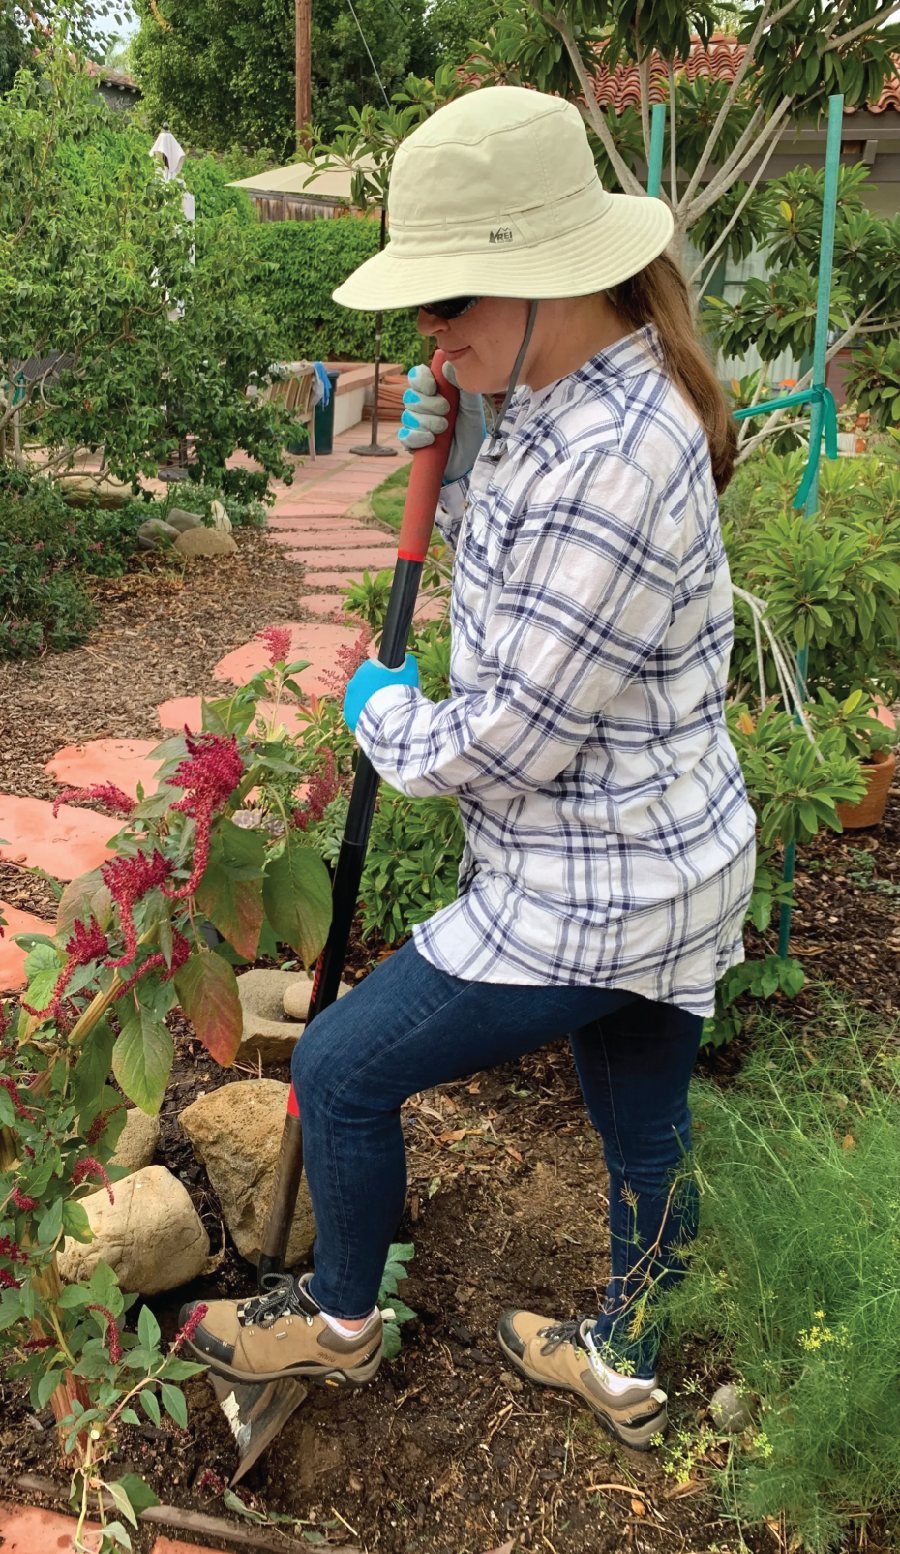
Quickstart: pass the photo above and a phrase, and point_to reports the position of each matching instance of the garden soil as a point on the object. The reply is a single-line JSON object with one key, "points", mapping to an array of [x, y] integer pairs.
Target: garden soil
{"points": [[446, 1452]]}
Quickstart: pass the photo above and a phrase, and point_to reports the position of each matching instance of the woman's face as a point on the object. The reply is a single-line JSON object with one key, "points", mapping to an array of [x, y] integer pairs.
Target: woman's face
{"points": [[483, 344]]}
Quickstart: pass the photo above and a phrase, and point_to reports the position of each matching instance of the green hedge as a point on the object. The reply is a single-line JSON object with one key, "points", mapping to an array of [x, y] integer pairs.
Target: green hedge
{"points": [[311, 258]]}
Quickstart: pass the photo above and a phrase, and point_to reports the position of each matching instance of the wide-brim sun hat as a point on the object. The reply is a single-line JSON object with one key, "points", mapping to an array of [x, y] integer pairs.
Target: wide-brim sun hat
{"points": [[497, 195]]}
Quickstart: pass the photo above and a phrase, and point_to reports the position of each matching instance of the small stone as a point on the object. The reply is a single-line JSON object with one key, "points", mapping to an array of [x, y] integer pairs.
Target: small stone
{"points": [[511, 1382], [236, 1133], [298, 994], [155, 534], [205, 542], [151, 1236], [729, 1411], [220, 518], [182, 520], [137, 1141]]}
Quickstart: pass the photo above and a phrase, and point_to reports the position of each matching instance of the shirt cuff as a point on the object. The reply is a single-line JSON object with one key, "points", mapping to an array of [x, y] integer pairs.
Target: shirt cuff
{"points": [[379, 706]]}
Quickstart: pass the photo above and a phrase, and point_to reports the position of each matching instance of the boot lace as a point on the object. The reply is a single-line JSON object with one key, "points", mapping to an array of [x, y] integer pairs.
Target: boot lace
{"points": [[278, 1298], [559, 1333]]}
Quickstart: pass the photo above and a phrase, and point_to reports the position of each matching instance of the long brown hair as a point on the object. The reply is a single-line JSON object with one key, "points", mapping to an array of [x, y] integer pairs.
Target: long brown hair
{"points": [[659, 295]]}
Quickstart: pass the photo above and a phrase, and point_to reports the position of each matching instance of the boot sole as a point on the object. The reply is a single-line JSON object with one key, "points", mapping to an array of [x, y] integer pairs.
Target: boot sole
{"points": [[640, 1438], [332, 1375]]}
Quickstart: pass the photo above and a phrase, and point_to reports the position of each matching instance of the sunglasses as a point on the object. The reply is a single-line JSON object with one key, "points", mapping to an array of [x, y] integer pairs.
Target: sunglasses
{"points": [[451, 307]]}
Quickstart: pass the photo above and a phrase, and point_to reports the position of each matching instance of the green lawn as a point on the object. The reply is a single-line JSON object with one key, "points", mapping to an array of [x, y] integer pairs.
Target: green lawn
{"points": [[388, 498]]}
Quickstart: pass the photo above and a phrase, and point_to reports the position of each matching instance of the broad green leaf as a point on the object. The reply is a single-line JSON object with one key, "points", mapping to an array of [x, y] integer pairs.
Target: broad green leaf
{"points": [[47, 1385], [75, 1222], [174, 1404], [7, 1110], [92, 1069], [43, 957], [208, 991], [150, 1404], [120, 1496], [140, 1494], [142, 1059], [148, 1328], [233, 906], [297, 897], [50, 1224], [73, 1295]]}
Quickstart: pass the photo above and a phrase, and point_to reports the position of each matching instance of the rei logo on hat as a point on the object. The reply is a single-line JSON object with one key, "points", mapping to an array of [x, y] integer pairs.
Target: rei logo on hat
{"points": [[502, 235]]}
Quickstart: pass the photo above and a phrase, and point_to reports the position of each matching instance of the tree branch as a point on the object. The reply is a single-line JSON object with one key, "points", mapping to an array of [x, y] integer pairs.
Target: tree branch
{"points": [[727, 105], [685, 208], [857, 32], [732, 170], [595, 116], [764, 162]]}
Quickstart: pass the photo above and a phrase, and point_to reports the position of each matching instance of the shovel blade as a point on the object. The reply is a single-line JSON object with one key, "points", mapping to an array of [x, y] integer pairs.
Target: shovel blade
{"points": [[256, 1412]]}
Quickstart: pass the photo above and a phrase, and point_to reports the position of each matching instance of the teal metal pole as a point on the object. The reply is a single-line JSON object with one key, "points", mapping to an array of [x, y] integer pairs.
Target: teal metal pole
{"points": [[816, 418], [657, 137]]}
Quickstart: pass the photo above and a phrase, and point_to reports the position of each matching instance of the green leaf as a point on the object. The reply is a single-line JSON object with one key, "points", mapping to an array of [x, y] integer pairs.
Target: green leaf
{"points": [[118, 1533], [43, 957], [73, 1295], [175, 1405], [92, 1069], [235, 1503], [142, 1060], [139, 1494], [75, 1222], [50, 1225], [297, 896], [47, 1385], [233, 906], [7, 1110], [120, 1496], [148, 1328], [208, 991], [149, 1404]]}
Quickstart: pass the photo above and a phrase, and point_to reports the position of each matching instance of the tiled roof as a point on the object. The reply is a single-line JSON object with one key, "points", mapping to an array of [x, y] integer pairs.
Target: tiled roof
{"points": [[112, 77], [621, 88]]}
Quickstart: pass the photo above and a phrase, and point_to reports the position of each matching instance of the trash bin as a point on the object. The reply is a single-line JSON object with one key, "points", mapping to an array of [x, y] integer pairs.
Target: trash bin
{"points": [[325, 415]]}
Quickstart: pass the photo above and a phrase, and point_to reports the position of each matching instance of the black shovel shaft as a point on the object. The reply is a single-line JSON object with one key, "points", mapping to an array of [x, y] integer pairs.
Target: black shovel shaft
{"points": [[344, 896]]}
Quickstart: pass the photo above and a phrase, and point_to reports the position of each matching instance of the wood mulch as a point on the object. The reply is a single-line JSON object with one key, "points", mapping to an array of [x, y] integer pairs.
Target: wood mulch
{"points": [[447, 1452]]}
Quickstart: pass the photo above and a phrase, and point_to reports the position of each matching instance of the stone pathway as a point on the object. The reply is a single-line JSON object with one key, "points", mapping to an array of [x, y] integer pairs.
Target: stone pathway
{"points": [[28, 1529], [316, 521]]}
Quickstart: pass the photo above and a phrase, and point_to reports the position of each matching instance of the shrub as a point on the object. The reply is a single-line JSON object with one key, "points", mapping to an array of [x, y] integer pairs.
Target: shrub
{"points": [[311, 258], [412, 865], [46, 550], [796, 1275], [195, 496]]}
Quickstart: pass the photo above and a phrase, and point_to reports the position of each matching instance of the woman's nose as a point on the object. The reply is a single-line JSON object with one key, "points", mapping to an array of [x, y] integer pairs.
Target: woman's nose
{"points": [[429, 323]]}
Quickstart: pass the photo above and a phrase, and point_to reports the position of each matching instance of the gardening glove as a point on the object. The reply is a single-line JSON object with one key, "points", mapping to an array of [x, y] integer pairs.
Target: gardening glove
{"points": [[372, 677], [424, 415]]}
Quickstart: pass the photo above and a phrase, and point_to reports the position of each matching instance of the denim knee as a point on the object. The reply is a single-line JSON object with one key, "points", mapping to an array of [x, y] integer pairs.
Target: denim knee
{"points": [[315, 1062]]}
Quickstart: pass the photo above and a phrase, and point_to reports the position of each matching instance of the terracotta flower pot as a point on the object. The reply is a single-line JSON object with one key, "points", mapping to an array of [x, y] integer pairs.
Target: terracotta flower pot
{"points": [[870, 809]]}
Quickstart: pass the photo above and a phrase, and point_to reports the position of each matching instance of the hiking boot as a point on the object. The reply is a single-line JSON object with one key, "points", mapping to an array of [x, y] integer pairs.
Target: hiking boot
{"points": [[557, 1355], [282, 1333]]}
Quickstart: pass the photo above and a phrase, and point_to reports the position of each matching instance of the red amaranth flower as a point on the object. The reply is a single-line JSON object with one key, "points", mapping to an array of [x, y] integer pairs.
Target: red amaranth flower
{"points": [[209, 777], [88, 1166], [22, 1201], [12, 1251], [191, 1325], [181, 950], [278, 640], [98, 1126], [88, 942], [106, 794], [113, 1343], [9, 1085], [209, 1479], [323, 788], [127, 880], [7, 1280], [39, 1343], [348, 660]]}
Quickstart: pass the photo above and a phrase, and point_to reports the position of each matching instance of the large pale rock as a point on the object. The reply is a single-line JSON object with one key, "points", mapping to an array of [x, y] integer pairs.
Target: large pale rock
{"points": [[137, 1141], [205, 542], [236, 1133], [156, 534], [151, 1236]]}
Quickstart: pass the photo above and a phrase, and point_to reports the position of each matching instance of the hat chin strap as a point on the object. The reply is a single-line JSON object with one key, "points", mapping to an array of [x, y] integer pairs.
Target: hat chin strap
{"points": [[514, 376]]}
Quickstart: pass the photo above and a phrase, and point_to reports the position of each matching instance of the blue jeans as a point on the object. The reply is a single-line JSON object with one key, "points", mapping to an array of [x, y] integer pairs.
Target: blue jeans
{"points": [[409, 1026]]}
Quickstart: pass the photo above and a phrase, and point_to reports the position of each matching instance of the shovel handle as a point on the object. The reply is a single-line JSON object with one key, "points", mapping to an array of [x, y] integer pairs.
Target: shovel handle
{"points": [[423, 494]]}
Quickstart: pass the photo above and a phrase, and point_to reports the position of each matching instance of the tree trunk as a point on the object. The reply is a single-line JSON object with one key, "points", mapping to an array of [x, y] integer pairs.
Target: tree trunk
{"points": [[302, 69]]}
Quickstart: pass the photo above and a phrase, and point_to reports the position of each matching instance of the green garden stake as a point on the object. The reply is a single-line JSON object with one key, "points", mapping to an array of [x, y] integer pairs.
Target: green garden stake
{"points": [[657, 136], [808, 495]]}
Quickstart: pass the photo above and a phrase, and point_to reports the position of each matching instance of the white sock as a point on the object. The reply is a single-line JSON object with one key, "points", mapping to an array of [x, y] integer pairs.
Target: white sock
{"points": [[612, 1380], [339, 1327]]}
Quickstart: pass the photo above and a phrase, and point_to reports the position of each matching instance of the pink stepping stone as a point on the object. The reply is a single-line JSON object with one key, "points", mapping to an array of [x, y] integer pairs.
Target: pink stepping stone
{"points": [[377, 558], [125, 762], [72, 844], [334, 579], [322, 604], [12, 957], [314, 641], [173, 715], [338, 538], [27, 1529]]}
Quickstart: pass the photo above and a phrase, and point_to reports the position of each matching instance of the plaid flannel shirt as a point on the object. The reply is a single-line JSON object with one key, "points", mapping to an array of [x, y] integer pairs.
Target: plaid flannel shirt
{"points": [[609, 840]]}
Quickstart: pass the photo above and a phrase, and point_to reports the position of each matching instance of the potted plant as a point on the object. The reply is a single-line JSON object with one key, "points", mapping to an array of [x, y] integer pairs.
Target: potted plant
{"points": [[867, 731]]}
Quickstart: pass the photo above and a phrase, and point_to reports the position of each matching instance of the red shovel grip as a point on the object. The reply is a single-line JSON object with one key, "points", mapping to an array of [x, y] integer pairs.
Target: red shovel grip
{"points": [[428, 465]]}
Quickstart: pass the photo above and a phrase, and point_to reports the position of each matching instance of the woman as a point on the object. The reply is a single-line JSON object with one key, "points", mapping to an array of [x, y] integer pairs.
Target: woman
{"points": [[610, 847]]}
